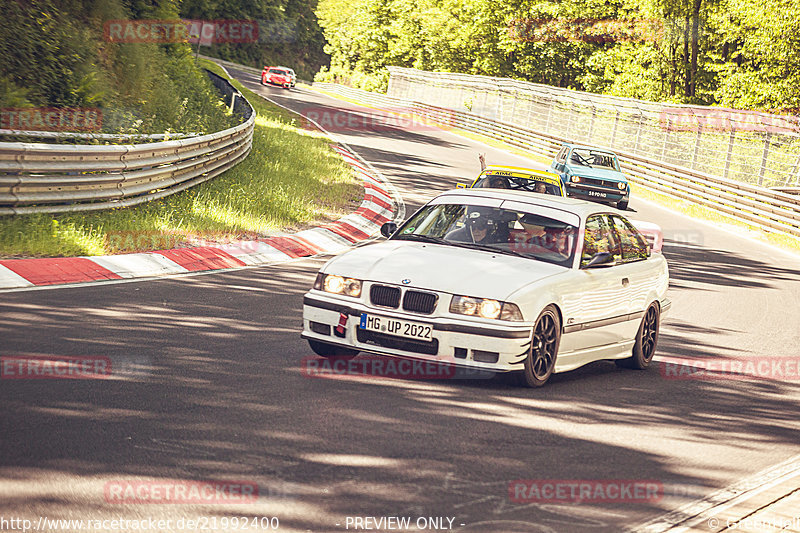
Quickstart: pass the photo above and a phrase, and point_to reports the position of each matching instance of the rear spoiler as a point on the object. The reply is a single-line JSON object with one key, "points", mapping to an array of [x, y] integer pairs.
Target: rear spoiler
{"points": [[652, 232]]}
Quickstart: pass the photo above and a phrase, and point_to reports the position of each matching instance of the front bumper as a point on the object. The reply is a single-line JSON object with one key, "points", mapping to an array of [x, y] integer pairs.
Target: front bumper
{"points": [[463, 343], [596, 193]]}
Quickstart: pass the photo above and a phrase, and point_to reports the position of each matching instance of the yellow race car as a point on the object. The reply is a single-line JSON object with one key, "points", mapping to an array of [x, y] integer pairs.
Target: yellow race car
{"points": [[518, 179]]}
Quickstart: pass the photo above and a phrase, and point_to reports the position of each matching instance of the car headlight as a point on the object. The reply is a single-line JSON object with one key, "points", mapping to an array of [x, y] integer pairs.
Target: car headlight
{"points": [[485, 308], [338, 285], [621, 185], [575, 179]]}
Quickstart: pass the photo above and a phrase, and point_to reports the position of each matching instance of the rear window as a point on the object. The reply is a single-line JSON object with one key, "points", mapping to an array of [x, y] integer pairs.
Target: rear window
{"points": [[494, 181], [594, 158]]}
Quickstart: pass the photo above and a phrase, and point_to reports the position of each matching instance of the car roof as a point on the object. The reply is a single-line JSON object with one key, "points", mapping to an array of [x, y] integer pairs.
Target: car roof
{"points": [[518, 169], [582, 208], [585, 147]]}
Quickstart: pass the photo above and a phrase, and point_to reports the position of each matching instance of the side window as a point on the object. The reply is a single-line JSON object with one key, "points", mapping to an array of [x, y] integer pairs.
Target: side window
{"points": [[634, 247], [562, 155], [598, 238]]}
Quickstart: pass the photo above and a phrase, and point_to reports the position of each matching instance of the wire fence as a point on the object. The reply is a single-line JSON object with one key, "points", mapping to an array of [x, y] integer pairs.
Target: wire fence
{"points": [[757, 148], [770, 209]]}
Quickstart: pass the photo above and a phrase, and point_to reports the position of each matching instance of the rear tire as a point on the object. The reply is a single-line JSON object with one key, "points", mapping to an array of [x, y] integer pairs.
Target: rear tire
{"points": [[323, 349], [646, 340], [541, 360]]}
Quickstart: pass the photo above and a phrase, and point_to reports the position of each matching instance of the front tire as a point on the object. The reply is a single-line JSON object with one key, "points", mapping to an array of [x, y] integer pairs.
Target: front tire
{"points": [[646, 340], [541, 360], [323, 349], [622, 205]]}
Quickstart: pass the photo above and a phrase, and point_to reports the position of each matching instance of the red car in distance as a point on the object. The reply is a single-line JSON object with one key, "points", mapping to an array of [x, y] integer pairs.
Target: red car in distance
{"points": [[281, 76]]}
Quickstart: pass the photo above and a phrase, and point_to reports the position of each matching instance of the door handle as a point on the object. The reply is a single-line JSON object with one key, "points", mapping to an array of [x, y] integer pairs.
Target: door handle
{"points": [[625, 282]]}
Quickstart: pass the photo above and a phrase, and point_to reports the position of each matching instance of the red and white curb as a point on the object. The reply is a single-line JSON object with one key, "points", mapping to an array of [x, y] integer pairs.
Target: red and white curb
{"points": [[380, 204]]}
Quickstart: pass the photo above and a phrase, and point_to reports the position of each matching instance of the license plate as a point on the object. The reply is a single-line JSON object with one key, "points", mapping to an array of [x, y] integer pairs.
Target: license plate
{"points": [[595, 193], [399, 328]]}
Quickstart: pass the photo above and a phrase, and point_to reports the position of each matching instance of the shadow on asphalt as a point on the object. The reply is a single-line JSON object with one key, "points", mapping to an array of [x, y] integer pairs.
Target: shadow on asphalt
{"points": [[712, 267], [208, 386]]}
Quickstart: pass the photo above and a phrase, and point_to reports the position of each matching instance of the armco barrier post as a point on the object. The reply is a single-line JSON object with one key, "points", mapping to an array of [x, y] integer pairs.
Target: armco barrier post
{"points": [[764, 157], [728, 157], [697, 138]]}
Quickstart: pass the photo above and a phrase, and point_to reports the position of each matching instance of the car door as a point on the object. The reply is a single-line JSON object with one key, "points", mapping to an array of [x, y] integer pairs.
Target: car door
{"points": [[596, 306], [558, 162], [635, 269]]}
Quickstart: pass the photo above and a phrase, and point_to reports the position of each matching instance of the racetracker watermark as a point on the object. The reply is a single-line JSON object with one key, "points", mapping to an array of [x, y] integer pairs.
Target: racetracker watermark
{"points": [[764, 368], [757, 523], [51, 118], [721, 120], [385, 120], [121, 241], [591, 30], [167, 491], [378, 367], [54, 367], [584, 490], [206, 32]]}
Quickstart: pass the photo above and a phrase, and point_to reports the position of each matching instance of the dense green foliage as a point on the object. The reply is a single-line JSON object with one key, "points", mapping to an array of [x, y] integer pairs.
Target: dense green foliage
{"points": [[54, 55], [288, 32], [736, 53]]}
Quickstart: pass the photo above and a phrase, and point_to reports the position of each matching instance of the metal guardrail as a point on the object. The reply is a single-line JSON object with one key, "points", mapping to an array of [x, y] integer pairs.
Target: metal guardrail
{"points": [[58, 178], [749, 146], [771, 209], [62, 135]]}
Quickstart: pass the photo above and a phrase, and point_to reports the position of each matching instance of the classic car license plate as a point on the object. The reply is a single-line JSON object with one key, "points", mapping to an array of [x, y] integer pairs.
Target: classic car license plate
{"points": [[596, 193], [392, 326]]}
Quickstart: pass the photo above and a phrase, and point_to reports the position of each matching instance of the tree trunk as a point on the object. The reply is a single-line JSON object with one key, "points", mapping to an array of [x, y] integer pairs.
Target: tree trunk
{"points": [[695, 45], [687, 75]]}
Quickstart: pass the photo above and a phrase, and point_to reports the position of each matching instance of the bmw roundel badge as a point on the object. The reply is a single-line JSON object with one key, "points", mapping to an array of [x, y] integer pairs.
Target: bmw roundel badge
{"points": [[406, 281]]}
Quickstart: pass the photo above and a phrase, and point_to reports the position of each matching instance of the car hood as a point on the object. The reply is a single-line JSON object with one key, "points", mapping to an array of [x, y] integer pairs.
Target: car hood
{"points": [[441, 268], [599, 173]]}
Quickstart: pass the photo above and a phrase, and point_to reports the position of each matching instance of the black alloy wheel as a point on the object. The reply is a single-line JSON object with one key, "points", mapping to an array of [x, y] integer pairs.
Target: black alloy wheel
{"points": [[545, 338]]}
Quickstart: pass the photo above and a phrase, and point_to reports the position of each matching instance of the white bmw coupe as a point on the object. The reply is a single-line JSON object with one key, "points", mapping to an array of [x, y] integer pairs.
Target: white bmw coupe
{"points": [[496, 280]]}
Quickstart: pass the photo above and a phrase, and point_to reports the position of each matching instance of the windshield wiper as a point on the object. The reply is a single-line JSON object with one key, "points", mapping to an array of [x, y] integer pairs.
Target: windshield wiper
{"points": [[421, 238]]}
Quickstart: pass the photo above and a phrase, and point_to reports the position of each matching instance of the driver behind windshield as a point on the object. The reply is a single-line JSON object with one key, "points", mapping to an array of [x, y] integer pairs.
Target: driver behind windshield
{"points": [[478, 228]]}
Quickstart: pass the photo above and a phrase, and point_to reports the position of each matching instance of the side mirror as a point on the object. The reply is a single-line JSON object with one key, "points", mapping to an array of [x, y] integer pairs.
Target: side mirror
{"points": [[388, 229], [461, 185], [600, 259]]}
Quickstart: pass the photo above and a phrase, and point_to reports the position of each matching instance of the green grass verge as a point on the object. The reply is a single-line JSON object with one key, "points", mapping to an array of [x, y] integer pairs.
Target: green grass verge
{"points": [[290, 180]]}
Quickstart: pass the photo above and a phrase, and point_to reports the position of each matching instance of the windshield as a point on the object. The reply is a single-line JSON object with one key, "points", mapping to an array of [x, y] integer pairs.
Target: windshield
{"points": [[593, 158], [516, 183], [276, 71], [520, 233]]}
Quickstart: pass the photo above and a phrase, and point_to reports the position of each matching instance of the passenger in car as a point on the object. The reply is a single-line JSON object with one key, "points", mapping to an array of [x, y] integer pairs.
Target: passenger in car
{"points": [[529, 237]]}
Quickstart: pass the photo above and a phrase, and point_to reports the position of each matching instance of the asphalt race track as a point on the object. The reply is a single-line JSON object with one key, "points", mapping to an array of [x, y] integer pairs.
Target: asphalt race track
{"points": [[206, 384]]}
